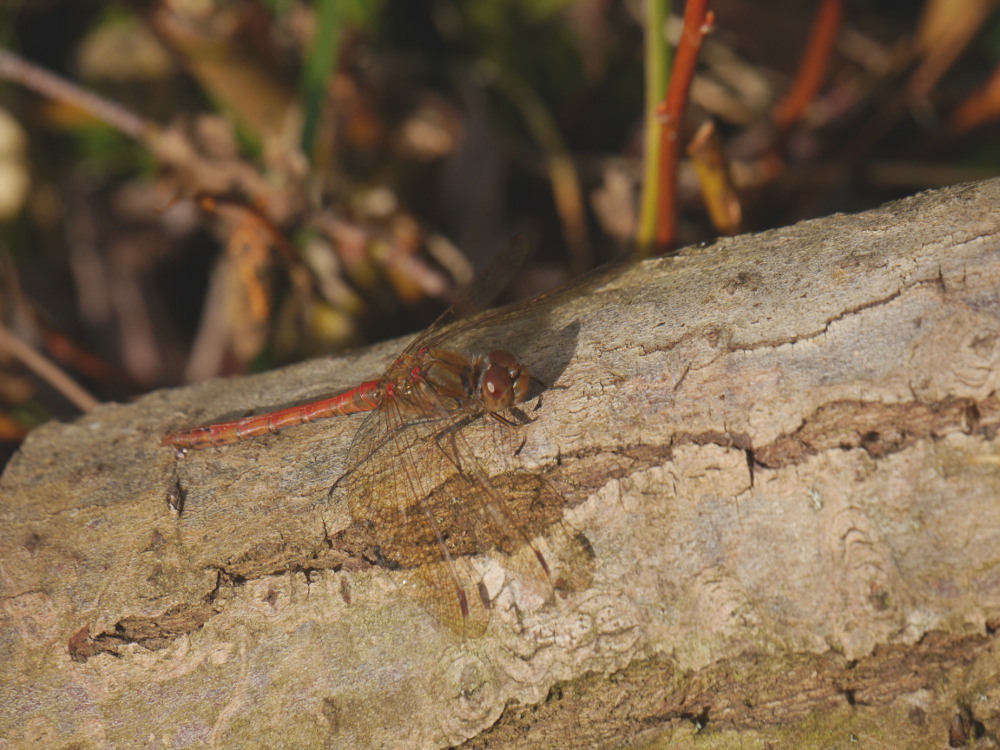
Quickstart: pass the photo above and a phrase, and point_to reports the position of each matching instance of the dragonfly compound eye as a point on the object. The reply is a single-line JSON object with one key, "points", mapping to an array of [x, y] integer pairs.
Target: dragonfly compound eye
{"points": [[497, 389], [505, 381]]}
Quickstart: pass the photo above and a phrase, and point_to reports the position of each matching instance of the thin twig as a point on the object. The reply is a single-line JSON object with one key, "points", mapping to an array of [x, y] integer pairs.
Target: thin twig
{"points": [[17, 69], [949, 42], [566, 189], [712, 169], [812, 69], [698, 21], [979, 108], [46, 370]]}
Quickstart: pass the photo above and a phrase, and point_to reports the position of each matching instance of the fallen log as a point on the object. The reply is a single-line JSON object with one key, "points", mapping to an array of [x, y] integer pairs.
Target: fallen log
{"points": [[780, 451]]}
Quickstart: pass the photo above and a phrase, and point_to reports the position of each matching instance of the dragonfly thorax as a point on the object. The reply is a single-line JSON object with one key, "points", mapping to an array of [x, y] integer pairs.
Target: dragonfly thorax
{"points": [[503, 381]]}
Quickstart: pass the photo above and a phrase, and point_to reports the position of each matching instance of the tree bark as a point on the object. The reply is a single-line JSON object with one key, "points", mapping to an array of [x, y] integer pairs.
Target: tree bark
{"points": [[781, 450]]}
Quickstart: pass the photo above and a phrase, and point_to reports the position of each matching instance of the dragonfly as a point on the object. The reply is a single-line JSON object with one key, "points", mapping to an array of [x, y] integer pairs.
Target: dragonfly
{"points": [[416, 478]]}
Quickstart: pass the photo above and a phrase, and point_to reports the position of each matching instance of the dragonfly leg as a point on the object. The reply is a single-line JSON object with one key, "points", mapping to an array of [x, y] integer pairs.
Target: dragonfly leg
{"points": [[449, 433], [502, 419], [521, 418]]}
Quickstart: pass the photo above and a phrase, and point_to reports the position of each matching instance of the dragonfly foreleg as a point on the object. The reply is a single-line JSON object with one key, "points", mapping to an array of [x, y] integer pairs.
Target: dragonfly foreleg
{"points": [[449, 433]]}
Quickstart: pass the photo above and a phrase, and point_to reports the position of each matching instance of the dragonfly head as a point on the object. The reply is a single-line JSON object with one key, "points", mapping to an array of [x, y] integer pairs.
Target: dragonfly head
{"points": [[505, 381]]}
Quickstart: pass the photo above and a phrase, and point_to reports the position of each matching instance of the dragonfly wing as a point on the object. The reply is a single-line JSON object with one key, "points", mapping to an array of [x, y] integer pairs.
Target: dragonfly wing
{"points": [[519, 515], [404, 487], [485, 288], [437, 489], [449, 590]]}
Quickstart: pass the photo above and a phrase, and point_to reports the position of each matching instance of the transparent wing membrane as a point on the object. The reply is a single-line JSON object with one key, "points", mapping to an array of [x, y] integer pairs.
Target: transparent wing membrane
{"points": [[433, 504]]}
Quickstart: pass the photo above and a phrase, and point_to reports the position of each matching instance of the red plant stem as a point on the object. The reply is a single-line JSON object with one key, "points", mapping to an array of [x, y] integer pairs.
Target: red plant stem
{"points": [[812, 69], [698, 20]]}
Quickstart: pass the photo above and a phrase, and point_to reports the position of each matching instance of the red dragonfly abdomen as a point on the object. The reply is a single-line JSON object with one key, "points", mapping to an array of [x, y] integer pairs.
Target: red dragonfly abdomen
{"points": [[364, 397]]}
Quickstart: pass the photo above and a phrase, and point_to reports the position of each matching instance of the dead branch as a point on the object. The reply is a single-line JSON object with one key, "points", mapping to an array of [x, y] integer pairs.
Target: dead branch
{"points": [[781, 450]]}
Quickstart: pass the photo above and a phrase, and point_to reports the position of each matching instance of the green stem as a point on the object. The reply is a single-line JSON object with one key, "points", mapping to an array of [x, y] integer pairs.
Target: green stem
{"points": [[331, 18], [657, 74]]}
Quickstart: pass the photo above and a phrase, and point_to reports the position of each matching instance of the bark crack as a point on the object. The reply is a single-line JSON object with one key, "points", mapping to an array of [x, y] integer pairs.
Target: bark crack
{"points": [[843, 315], [879, 428], [152, 633], [749, 692]]}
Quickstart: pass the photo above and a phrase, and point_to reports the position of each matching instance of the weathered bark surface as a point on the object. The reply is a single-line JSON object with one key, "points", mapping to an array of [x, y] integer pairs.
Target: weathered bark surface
{"points": [[781, 448]]}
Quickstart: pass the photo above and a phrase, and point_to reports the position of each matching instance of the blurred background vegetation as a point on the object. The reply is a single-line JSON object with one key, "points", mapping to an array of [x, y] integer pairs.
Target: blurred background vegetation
{"points": [[279, 179]]}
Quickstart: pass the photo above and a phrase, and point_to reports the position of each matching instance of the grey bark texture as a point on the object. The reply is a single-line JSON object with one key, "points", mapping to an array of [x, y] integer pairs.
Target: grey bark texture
{"points": [[782, 450]]}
